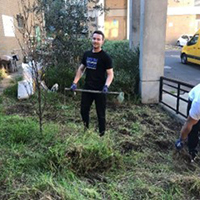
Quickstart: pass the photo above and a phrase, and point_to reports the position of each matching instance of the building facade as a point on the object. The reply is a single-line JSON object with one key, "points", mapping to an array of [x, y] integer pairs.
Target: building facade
{"points": [[115, 26], [10, 21], [183, 17]]}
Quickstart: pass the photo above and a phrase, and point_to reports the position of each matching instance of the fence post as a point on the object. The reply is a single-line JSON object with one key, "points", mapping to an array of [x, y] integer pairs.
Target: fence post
{"points": [[161, 87], [177, 102]]}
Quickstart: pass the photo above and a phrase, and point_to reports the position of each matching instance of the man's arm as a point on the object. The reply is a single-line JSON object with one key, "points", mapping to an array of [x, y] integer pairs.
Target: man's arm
{"points": [[187, 127], [79, 73], [110, 76]]}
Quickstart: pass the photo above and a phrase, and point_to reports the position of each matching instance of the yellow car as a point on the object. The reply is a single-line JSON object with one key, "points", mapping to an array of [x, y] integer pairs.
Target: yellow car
{"points": [[191, 52]]}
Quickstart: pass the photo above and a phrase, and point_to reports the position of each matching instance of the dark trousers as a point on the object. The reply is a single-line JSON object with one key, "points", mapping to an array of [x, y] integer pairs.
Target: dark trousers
{"points": [[193, 137], [100, 103]]}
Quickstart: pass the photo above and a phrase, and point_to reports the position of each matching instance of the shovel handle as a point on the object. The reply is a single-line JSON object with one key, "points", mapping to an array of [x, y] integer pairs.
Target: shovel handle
{"points": [[92, 91]]}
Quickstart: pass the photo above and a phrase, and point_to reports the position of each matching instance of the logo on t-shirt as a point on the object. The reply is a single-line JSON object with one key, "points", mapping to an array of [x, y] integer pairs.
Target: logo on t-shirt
{"points": [[91, 63]]}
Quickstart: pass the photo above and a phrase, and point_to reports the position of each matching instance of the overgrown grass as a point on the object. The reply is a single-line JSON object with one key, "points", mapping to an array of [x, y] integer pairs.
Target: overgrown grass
{"points": [[134, 160], [11, 91]]}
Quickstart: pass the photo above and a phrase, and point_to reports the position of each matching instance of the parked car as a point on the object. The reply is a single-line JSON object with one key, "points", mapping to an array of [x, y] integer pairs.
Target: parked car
{"points": [[183, 39], [191, 52]]}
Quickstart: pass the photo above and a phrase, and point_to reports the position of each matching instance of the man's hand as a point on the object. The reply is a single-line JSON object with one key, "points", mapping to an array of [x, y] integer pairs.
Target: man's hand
{"points": [[179, 144], [105, 89], [73, 87]]}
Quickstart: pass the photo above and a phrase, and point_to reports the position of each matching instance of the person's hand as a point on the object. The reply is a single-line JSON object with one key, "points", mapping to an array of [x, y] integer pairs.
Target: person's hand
{"points": [[73, 87], [105, 89], [179, 144]]}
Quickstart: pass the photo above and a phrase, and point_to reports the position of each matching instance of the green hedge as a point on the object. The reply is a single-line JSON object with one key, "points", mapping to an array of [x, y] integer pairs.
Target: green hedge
{"points": [[125, 63], [126, 66]]}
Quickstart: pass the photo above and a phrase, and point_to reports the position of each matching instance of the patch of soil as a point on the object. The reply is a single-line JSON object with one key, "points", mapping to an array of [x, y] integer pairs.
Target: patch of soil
{"points": [[127, 146], [23, 109], [163, 144]]}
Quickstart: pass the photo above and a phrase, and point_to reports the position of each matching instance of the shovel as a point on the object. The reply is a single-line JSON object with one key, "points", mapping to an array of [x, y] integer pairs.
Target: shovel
{"points": [[120, 97]]}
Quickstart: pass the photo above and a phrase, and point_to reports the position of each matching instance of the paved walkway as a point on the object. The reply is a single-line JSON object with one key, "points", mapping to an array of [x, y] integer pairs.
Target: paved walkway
{"points": [[10, 79], [170, 100]]}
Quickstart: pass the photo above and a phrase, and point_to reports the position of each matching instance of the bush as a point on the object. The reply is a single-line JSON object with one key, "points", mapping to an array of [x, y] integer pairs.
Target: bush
{"points": [[67, 60], [126, 66], [125, 63], [62, 74]]}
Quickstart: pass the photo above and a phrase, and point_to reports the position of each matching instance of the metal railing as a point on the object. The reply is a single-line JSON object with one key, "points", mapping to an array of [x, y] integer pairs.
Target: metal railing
{"points": [[174, 89]]}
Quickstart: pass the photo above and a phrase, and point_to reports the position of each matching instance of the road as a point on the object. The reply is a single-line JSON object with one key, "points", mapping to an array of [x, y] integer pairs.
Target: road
{"points": [[189, 73]]}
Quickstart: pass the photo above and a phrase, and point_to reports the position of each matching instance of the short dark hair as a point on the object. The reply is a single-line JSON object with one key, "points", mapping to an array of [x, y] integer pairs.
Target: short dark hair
{"points": [[100, 33]]}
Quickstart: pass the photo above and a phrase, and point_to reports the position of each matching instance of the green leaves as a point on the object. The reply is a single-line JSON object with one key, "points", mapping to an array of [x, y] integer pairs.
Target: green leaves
{"points": [[126, 66]]}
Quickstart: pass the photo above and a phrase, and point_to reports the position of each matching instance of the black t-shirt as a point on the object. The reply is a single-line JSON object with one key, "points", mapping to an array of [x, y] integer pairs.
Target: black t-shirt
{"points": [[96, 65]]}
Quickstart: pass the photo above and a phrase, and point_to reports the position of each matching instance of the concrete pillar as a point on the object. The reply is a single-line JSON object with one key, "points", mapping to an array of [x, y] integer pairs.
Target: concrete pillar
{"points": [[152, 48], [134, 23], [128, 20]]}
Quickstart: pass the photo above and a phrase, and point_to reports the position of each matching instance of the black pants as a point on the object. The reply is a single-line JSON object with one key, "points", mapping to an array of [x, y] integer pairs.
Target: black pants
{"points": [[193, 137], [100, 103]]}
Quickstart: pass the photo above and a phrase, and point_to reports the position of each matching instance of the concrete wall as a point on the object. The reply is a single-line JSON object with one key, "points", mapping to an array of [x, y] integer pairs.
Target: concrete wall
{"points": [[182, 18]]}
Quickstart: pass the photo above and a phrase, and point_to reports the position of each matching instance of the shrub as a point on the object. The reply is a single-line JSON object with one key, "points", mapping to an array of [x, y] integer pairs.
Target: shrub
{"points": [[63, 70], [61, 74], [126, 66], [125, 63]]}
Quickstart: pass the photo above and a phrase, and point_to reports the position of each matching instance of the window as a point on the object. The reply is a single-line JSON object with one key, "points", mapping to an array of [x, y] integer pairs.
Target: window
{"points": [[194, 40], [20, 21], [185, 37]]}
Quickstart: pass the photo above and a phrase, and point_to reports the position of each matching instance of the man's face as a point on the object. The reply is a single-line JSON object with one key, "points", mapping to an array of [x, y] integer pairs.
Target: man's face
{"points": [[97, 41]]}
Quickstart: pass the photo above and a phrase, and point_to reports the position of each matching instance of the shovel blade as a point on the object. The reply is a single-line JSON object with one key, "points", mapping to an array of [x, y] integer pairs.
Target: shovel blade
{"points": [[120, 97]]}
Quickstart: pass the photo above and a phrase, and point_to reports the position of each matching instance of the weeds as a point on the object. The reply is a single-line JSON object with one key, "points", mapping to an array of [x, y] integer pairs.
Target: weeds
{"points": [[134, 160]]}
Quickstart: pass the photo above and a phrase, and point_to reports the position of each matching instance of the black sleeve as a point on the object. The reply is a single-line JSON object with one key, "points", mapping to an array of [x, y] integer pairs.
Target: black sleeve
{"points": [[83, 61], [108, 62]]}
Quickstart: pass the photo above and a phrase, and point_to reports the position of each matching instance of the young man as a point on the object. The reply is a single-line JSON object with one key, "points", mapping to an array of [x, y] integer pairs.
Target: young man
{"points": [[97, 65], [191, 127]]}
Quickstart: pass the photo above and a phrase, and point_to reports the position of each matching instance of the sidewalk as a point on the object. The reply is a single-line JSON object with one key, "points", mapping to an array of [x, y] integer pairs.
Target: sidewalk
{"points": [[171, 101], [10, 79]]}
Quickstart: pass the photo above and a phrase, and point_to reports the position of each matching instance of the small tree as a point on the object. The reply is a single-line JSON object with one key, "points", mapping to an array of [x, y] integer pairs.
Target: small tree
{"points": [[66, 22], [35, 47]]}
